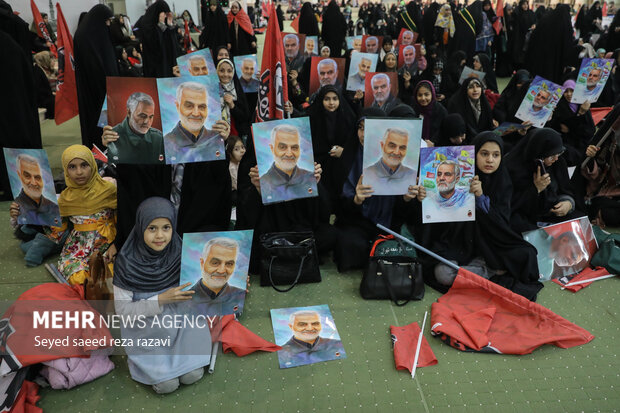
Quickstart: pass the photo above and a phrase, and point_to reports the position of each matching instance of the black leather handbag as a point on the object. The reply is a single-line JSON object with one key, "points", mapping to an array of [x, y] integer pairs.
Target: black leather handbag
{"points": [[394, 278], [288, 258]]}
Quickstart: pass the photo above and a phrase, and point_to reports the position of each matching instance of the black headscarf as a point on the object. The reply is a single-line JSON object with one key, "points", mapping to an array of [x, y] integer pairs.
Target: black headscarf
{"points": [[451, 126], [95, 59], [524, 19], [139, 268], [490, 79], [159, 47], [334, 29], [511, 97], [462, 104], [307, 21], [215, 32]]}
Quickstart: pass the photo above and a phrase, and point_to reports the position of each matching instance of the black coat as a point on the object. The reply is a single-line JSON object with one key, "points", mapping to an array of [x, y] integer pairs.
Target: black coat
{"points": [[160, 49], [215, 32], [95, 59], [460, 103], [580, 131], [334, 29]]}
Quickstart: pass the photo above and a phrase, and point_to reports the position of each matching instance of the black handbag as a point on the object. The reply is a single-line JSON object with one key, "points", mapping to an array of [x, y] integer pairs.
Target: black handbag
{"points": [[288, 258], [395, 278]]}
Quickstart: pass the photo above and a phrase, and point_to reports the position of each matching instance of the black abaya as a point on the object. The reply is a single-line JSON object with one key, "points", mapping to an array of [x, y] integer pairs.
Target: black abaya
{"points": [[460, 103], [160, 48], [19, 122], [215, 31], [307, 21], [94, 60], [334, 29], [580, 131]]}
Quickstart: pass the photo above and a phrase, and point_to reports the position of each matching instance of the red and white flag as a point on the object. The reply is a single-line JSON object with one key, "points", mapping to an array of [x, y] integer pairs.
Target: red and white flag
{"points": [[273, 89], [66, 91], [42, 28]]}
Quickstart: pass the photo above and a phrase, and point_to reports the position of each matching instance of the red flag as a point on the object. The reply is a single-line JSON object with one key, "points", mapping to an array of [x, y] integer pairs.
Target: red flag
{"points": [[240, 340], [265, 8], [273, 89], [405, 342], [585, 274], [66, 92], [295, 24], [604, 9], [98, 154], [479, 315], [499, 11], [42, 28]]}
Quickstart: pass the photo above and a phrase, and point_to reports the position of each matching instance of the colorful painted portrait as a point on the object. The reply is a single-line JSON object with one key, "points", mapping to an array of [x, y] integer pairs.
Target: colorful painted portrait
{"points": [[380, 89], [307, 335], [32, 186], [391, 153], [311, 47], [133, 113], [407, 37], [539, 102], [371, 44], [564, 249], [326, 71], [247, 72], [215, 264], [285, 159], [189, 108], [508, 128], [361, 63], [591, 80], [446, 173], [198, 63], [354, 42]]}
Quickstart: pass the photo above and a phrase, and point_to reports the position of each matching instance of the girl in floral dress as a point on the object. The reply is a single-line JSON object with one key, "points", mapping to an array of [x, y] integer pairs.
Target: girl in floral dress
{"points": [[88, 204]]}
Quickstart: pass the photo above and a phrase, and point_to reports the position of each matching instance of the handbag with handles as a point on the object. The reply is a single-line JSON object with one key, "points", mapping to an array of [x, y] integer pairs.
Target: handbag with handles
{"points": [[288, 258], [396, 277]]}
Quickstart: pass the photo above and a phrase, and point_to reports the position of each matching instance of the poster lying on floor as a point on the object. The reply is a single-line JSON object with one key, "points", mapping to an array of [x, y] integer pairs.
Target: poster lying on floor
{"points": [[32, 185], [446, 173], [539, 102], [198, 63], [564, 249], [391, 153], [285, 159], [307, 335], [216, 265], [591, 80]]}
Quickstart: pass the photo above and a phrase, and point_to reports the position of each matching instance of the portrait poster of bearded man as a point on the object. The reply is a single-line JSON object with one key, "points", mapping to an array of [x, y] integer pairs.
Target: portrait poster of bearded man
{"points": [[446, 173], [307, 335], [285, 159], [215, 266], [538, 104], [391, 152], [32, 186], [591, 80], [326, 71]]}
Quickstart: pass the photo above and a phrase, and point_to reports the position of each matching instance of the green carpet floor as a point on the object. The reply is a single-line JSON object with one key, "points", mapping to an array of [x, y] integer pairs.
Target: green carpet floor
{"points": [[585, 378]]}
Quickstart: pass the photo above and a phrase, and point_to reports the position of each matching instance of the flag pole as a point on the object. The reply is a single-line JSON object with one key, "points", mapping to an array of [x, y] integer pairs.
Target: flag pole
{"points": [[419, 247], [417, 350]]}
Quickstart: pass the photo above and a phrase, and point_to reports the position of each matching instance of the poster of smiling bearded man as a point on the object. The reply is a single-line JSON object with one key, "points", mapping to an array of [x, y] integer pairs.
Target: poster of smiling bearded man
{"points": [[446, 173], [285, 159]]}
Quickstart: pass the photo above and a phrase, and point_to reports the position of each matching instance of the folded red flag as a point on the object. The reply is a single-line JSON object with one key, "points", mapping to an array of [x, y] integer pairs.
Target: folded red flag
{"points": [[478, 315], [598, 114], [240, 340], [586, 274], [405, 342], [27, 398]]}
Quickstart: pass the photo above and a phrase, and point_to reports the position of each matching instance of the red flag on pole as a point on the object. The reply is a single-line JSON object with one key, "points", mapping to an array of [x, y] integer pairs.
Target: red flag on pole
{"points": [[499, 12], [295, 24], [273, 89], [604, 9], [66, 92], [42, 28]]}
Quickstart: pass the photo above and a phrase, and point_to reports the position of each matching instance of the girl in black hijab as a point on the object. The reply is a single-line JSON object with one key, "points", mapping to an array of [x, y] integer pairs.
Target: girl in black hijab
{"points": [[215, 32], [334, 29], [508, 102], [542, 191], [160, 48], [425, 104], [452, 131], [331, 122], [234, 104], [308, 24], [146, 281], [95, 59], [471, 103], [503, 249]]}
